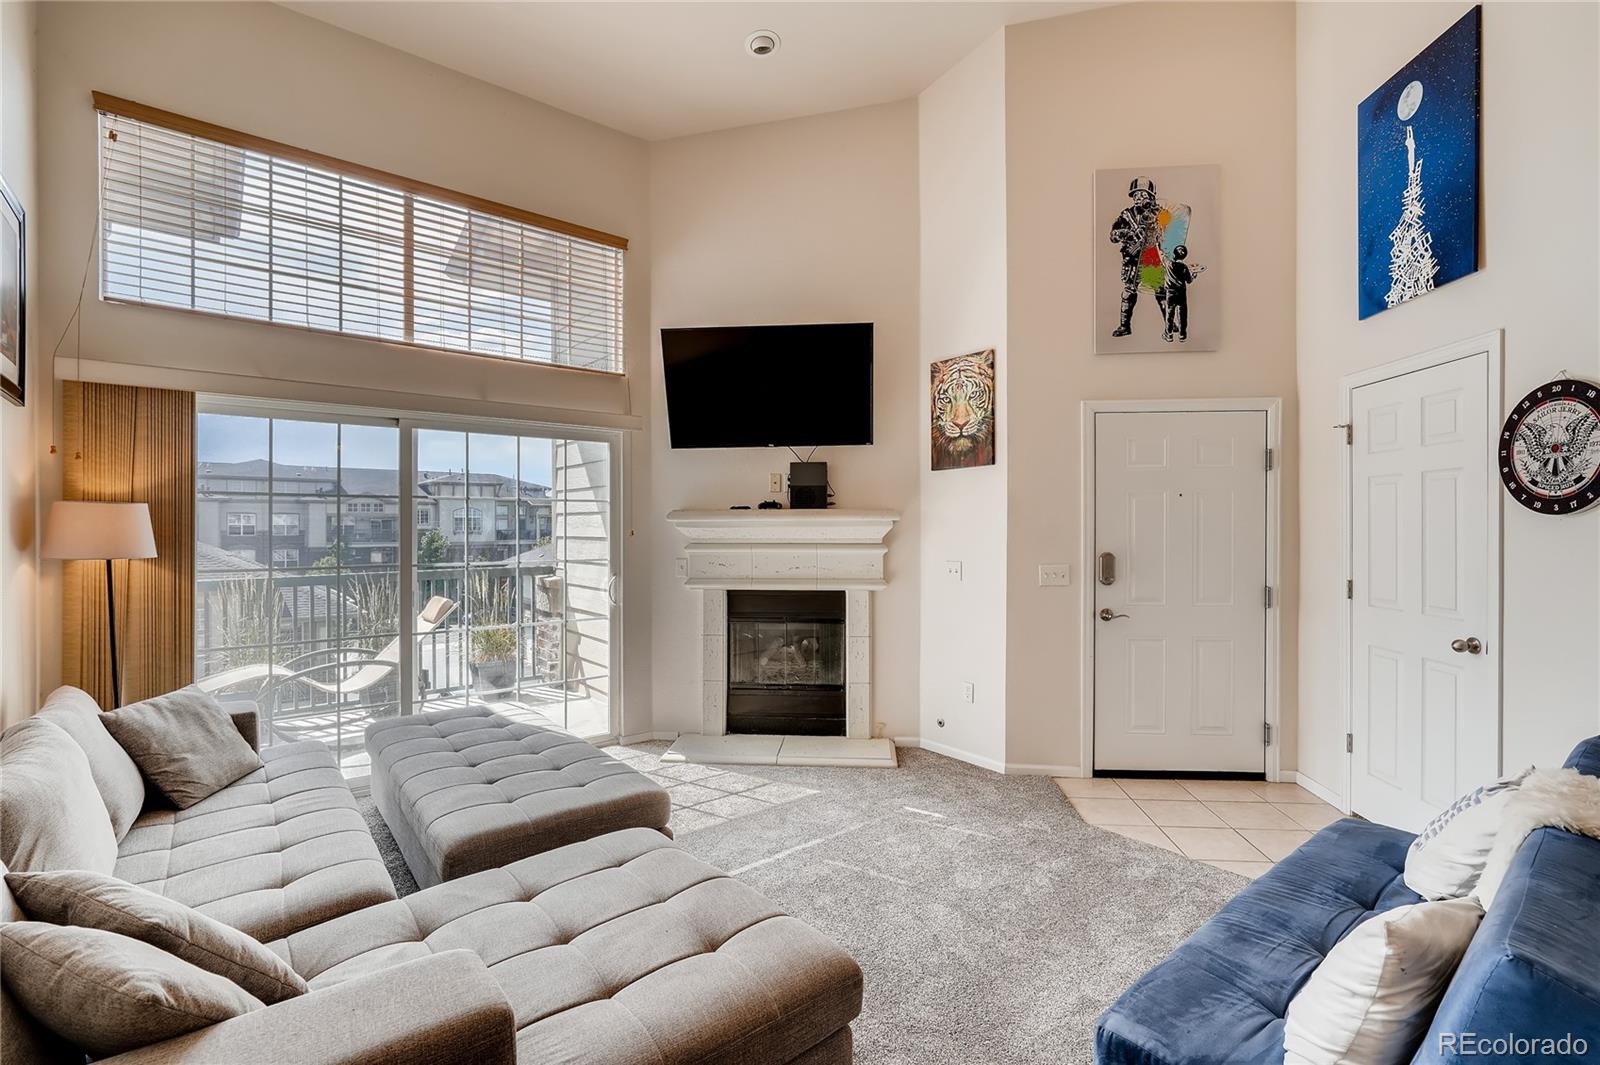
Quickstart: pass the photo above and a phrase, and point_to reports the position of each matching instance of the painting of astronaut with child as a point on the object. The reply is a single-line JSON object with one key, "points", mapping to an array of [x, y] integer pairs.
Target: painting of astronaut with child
{"points": [[1155, 243]]}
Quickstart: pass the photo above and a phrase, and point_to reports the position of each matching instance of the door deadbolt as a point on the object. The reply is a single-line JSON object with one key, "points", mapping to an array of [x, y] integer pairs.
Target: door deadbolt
{"points": [[1470, 646], [1108, 568]]}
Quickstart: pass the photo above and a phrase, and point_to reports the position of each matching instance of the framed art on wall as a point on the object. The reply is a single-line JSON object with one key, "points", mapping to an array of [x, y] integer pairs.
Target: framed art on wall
{"points": [[1417, 167], [1155, 235], [13, 296], [961, 402]]}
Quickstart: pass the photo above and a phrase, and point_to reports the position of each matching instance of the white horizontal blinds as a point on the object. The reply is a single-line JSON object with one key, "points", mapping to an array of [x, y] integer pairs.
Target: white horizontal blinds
{"points": [[513, 289], [208, 226]]}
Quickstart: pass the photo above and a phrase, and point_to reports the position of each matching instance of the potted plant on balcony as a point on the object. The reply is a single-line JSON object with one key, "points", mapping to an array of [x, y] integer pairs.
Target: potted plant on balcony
{"points": [[494, 659]]}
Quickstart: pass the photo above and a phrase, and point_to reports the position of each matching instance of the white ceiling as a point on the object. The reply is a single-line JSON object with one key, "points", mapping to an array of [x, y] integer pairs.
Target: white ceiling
{"points": [[666, 69]]}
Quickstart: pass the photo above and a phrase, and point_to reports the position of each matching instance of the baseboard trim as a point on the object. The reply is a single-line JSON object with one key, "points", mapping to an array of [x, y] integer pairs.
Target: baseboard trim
{"points": [[1031, 770], [646, 737], [1326, 794], [1020, 769], [957, 753]]}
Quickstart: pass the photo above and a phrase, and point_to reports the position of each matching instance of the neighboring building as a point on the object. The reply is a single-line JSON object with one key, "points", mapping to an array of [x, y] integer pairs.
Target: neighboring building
{"points": [[312, 511]]}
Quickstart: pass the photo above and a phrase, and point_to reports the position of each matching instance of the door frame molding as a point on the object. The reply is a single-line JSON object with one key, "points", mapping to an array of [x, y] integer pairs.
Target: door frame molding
{"points": [[1272, 407], [1492, 346]]}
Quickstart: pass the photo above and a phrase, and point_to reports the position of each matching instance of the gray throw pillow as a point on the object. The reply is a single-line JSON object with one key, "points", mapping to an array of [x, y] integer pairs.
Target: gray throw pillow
{"points": [[107, 993], [94, 900], [115, 775], [185, 744], [51, 813]]}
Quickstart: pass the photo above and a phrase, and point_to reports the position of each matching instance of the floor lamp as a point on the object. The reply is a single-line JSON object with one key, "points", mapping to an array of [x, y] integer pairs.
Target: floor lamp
{"points": [[100, 532]]}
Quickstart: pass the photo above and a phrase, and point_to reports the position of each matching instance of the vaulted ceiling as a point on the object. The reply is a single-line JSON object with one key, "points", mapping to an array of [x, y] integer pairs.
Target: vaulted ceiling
{"points": [[666, 69]]}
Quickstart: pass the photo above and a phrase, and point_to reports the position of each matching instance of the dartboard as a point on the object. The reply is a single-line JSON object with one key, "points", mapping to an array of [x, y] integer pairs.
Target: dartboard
{"points": [[1550, 448]]}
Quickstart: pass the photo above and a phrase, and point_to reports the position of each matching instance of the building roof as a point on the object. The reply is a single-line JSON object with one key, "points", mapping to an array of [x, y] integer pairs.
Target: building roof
{"points": [[213, 562], [356, 480]]}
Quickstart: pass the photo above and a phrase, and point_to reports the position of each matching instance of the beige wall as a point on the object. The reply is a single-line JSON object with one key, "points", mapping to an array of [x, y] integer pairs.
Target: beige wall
{"points": [[962, 172], [809, 220], [20, 427], [1537, 283], [1080, 97], [269, 71]]}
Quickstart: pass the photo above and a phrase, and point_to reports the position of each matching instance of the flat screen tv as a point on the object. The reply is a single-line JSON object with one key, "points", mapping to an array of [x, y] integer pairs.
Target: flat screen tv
{"points": [[769, 385]]}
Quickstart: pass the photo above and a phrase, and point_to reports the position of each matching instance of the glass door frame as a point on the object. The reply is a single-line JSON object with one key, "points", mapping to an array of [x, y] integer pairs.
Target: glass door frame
{"points": [[408, 423]]}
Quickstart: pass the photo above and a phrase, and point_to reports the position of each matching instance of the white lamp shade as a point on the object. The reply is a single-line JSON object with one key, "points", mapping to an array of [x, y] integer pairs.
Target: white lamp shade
{"points": [[98, 530]]}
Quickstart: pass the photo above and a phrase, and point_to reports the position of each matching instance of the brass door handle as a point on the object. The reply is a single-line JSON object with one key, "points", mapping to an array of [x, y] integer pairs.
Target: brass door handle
{"points": [[1470, 646], [1107, 614]]}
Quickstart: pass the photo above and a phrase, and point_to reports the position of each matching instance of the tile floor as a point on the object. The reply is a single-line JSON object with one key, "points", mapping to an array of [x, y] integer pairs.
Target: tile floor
{"points": [[706, 795], [1242, 826]]}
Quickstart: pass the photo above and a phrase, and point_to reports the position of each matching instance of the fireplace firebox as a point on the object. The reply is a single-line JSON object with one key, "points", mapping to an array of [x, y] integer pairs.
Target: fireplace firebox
{"points": [[786, 654]]}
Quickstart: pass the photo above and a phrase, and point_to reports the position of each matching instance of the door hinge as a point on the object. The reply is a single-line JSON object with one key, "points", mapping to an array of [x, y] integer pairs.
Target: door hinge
{"points": [[1267, 596], [1349, 431], [1270, 458], [1349, 588], [1266, 734], [1349, 743]]}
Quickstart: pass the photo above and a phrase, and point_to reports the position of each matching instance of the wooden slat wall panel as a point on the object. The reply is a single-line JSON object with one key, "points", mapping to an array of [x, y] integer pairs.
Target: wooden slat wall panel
{"points": [[128, 444]]}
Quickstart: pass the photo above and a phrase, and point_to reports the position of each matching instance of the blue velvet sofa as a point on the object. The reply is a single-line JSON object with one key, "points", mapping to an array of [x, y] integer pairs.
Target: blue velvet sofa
{"points": [[1533, 970]]}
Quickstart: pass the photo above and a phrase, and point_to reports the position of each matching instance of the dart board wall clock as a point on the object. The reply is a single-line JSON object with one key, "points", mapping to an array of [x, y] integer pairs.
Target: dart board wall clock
{"points": [[1550, 448]]}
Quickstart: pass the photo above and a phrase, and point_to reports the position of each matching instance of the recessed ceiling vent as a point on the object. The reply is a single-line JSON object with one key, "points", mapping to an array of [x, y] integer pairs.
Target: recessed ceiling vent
{"points": [[762, 43]]}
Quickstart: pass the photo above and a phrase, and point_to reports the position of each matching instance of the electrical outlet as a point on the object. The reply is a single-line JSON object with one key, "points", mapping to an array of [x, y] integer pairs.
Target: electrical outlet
{"points": [[775, 482], [682, 566], [877, 729], [1055, 575], [952, 569], [968, 692]]}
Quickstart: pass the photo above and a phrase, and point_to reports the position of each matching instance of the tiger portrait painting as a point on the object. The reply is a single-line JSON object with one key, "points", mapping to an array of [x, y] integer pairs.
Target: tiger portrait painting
{"points": [[963, 411]]}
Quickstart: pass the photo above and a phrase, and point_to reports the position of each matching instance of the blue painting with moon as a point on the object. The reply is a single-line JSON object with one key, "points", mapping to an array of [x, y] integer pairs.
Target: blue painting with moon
{"points": [[1417, 165]]}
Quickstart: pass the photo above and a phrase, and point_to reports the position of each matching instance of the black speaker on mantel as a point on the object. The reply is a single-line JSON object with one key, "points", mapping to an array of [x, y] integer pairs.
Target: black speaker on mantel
{"points": [[808, 486]]}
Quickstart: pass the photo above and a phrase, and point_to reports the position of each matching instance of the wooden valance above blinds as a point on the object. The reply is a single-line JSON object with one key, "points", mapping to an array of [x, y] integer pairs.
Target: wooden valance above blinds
{"points": [[155, 116]]}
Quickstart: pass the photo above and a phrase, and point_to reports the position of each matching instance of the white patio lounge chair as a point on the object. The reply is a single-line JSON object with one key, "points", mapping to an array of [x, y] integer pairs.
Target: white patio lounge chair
{"points": [[261, 680]]}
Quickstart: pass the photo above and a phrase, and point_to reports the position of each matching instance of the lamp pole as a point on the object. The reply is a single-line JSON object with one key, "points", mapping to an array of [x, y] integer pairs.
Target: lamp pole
{"points": [[111, 626]]}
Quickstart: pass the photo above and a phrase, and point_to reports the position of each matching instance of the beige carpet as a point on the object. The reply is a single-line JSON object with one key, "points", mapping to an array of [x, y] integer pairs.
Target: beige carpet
{"points": [[992, 923]]}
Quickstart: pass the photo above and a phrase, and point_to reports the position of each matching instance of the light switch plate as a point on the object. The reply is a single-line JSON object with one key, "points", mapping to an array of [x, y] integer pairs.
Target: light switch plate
{"points": [[1055, 575]]}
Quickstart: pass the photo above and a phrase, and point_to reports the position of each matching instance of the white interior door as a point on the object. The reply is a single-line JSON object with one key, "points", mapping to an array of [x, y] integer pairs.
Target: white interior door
{"points": [[1180, 630], [1424, 694]]}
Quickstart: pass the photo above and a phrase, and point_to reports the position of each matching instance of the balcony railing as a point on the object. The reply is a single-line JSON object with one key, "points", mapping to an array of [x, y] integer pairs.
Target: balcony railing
{"points": [[282, 632]]}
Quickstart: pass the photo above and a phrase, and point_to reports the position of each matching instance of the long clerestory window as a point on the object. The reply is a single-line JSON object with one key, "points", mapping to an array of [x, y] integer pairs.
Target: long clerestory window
{"points": [[208, 219]]}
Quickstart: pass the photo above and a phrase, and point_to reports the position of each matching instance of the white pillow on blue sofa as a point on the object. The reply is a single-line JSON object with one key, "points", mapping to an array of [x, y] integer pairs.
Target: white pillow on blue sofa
{"points": [[1447, 857], [1373, 997]]}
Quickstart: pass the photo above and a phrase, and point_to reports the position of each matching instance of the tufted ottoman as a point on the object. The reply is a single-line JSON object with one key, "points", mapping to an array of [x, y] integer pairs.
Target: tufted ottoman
{"points": [[468, 790], [621, 950]]}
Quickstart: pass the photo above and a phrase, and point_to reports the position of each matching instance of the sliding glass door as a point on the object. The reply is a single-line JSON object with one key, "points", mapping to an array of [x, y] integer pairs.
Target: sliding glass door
{"points": [[350, 568], [514, 575]]}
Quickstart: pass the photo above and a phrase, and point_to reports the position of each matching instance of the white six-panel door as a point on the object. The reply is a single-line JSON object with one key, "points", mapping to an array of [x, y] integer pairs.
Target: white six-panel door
{"points": [[1424, 700], [1180, 632]]}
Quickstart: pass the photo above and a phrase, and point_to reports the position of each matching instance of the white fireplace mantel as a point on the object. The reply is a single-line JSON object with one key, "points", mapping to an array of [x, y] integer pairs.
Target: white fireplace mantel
{"points": [[784, 549], [779, 550]]}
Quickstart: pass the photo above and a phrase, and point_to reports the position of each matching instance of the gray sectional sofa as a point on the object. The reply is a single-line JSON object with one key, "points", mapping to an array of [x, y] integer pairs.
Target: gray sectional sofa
{"points": [[620, 949]]}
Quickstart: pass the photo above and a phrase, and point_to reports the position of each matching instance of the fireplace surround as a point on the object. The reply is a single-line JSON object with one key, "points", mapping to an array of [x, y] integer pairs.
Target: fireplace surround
{"points": [[731, 552]]}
